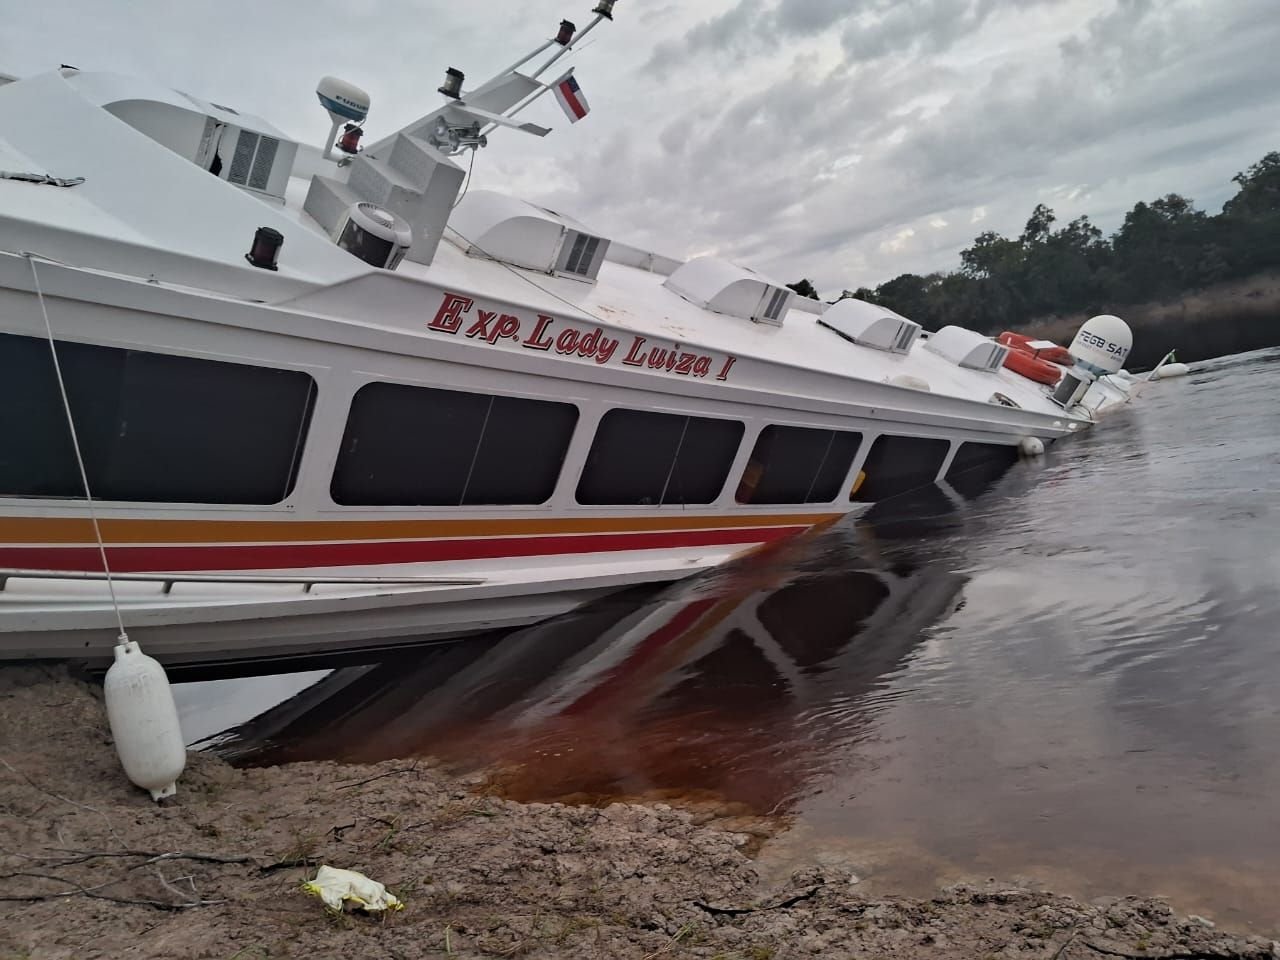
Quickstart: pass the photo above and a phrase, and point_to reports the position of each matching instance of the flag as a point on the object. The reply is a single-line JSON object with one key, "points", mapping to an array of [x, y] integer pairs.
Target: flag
{"points": [[571, 98]]}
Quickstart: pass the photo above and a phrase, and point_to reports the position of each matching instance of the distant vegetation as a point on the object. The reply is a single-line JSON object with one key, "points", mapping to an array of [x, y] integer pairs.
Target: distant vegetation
{"points": [[1166, 253]]}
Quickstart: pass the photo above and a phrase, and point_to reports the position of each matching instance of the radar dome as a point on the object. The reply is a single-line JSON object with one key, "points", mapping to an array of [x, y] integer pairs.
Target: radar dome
{"points": [[344, 101], [1103, 344]]}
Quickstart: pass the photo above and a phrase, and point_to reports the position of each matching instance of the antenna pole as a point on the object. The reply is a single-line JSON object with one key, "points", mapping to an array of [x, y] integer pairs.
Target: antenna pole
{"points": [[568, 46], [519, 106], [333, 135], [520, 63]]}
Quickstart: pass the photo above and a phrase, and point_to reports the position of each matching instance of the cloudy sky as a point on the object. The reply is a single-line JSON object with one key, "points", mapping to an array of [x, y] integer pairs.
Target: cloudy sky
{"points": [[843, 140]]}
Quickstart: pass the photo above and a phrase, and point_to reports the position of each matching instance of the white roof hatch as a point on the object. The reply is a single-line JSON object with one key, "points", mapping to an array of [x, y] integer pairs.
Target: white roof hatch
{"points": [[499, 227], [724, 287]]}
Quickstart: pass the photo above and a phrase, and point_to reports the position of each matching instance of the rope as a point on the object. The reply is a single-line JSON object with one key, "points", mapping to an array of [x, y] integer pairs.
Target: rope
{"points": [[466, 186], [75, 443]]}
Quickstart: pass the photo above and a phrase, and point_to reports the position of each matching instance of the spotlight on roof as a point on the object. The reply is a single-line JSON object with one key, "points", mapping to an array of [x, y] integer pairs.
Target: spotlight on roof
{"points": [[453, 83]]}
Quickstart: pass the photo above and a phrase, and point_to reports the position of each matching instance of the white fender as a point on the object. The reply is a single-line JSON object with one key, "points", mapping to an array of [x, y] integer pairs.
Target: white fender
{"points": [[1031, 447], [1171, 370], [144, 721]]}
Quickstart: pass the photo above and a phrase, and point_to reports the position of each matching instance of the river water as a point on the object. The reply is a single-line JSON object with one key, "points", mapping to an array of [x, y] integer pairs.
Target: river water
{"points": [[1071, 678]]}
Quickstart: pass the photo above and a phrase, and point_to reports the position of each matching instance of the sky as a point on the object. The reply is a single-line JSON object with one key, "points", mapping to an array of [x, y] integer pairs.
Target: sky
{"points": [[846, 141]]}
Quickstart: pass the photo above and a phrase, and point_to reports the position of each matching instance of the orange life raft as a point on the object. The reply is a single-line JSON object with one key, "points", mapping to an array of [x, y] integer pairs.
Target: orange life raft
{"points": [[1041, 365]]}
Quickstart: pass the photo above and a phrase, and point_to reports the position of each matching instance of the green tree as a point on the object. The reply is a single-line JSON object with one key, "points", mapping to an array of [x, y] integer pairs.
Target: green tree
{"points": [[1259, 195], [1158, 248], [1038, 227], [1249, 228], [1165, 247], [804, 288], [991, 256]]}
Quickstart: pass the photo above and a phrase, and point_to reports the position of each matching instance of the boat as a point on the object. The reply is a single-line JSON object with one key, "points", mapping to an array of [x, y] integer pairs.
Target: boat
{"points": [[331, 396]]}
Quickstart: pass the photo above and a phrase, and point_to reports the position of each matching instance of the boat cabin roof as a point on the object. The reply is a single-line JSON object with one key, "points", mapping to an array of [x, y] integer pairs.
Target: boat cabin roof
{"points": [[144, 210]]}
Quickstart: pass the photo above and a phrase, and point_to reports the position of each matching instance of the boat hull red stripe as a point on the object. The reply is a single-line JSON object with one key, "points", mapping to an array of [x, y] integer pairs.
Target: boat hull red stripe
{"points": [[290, 556]]}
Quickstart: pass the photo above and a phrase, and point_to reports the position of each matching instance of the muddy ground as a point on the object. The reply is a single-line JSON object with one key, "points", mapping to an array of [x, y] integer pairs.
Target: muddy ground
{"points": [[90, 867]]}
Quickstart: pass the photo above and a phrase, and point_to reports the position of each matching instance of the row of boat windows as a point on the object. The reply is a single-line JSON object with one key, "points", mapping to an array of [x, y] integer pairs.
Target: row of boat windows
{"points": [[170, 429]]}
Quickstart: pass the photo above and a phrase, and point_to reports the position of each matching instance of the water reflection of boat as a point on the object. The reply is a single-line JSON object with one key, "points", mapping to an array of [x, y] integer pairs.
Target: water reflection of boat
{"points": [[639, 693]]}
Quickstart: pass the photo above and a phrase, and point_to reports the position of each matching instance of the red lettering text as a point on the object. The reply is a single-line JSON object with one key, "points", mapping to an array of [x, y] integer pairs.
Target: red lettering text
{"points": [[567, 341], [606, 349], [449, 316], [634, 357], [508, 328], [481, 327], [538, 340]]}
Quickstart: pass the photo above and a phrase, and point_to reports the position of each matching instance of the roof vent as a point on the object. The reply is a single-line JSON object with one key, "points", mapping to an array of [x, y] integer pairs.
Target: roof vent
{"points": [[870, 325], [725, 287], [968, 349], [503, 228]]}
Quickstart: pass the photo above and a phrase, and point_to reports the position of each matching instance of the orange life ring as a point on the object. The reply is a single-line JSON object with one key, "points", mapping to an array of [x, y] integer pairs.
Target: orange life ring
{"points": [[1020, 341], [1032, 367]]}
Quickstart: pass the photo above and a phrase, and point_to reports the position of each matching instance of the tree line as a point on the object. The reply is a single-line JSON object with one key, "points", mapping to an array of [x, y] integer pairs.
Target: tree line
{"points": [[1164, 249]]}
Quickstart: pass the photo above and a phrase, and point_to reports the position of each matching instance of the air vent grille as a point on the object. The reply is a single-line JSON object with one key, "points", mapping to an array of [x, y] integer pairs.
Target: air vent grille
{"points": [[253, 160], [376, 213], [582, 254], [242, 159], [266, 156], [775, 304]]}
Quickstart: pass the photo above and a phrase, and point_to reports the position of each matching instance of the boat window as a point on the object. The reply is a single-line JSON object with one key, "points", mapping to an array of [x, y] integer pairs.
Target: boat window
{"points": [[152, 427], [797, 465], [895, 465], [639, 457], [977, 466], [421, 446]]}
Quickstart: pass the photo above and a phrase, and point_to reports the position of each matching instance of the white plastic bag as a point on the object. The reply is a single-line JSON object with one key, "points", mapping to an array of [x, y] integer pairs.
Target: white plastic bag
{"points": [[335, 887]]}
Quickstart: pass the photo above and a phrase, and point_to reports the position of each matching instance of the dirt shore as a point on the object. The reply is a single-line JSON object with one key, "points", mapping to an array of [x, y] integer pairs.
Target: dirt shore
{"points": [[90, 867]]}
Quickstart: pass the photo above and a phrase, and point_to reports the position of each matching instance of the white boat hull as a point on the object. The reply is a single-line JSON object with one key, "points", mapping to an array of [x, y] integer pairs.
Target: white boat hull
{"points": [[184, 620]]}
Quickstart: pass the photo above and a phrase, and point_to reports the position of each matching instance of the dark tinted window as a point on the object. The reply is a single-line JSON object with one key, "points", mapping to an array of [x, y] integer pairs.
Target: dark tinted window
{"points": [[152, 427], [656, 458], [898, 464], [977, 466], [797, 465], [419, 446]]}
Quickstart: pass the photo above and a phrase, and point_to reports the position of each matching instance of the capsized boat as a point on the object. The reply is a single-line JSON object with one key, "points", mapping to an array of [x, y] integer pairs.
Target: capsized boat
{"points": [[327, 398]]}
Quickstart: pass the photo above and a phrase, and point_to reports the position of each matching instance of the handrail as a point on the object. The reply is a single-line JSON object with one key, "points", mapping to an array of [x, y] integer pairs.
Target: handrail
{"points": [[170, 579]]}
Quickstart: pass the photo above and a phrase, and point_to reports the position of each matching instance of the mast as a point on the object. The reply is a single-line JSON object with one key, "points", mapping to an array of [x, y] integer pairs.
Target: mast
{"points": [[467, 119]]}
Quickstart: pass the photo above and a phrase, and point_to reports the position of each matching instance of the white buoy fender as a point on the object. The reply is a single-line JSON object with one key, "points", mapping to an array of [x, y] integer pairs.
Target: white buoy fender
{"points": [[1171, 370], [144, 721], [1031, 447]]}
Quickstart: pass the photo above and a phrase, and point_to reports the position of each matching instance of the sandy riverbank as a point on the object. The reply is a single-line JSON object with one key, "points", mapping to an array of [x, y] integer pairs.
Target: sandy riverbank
{"points": [[216, 872]]}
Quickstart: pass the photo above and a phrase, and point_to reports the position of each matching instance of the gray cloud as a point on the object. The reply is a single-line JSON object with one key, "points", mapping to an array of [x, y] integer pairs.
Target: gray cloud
{"points": [[807, 17], [737, 31], [846, 141]]}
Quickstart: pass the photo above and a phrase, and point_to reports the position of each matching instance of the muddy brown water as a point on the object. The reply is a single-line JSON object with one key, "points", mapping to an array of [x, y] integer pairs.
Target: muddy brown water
{"points": [[1067, 674]]}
